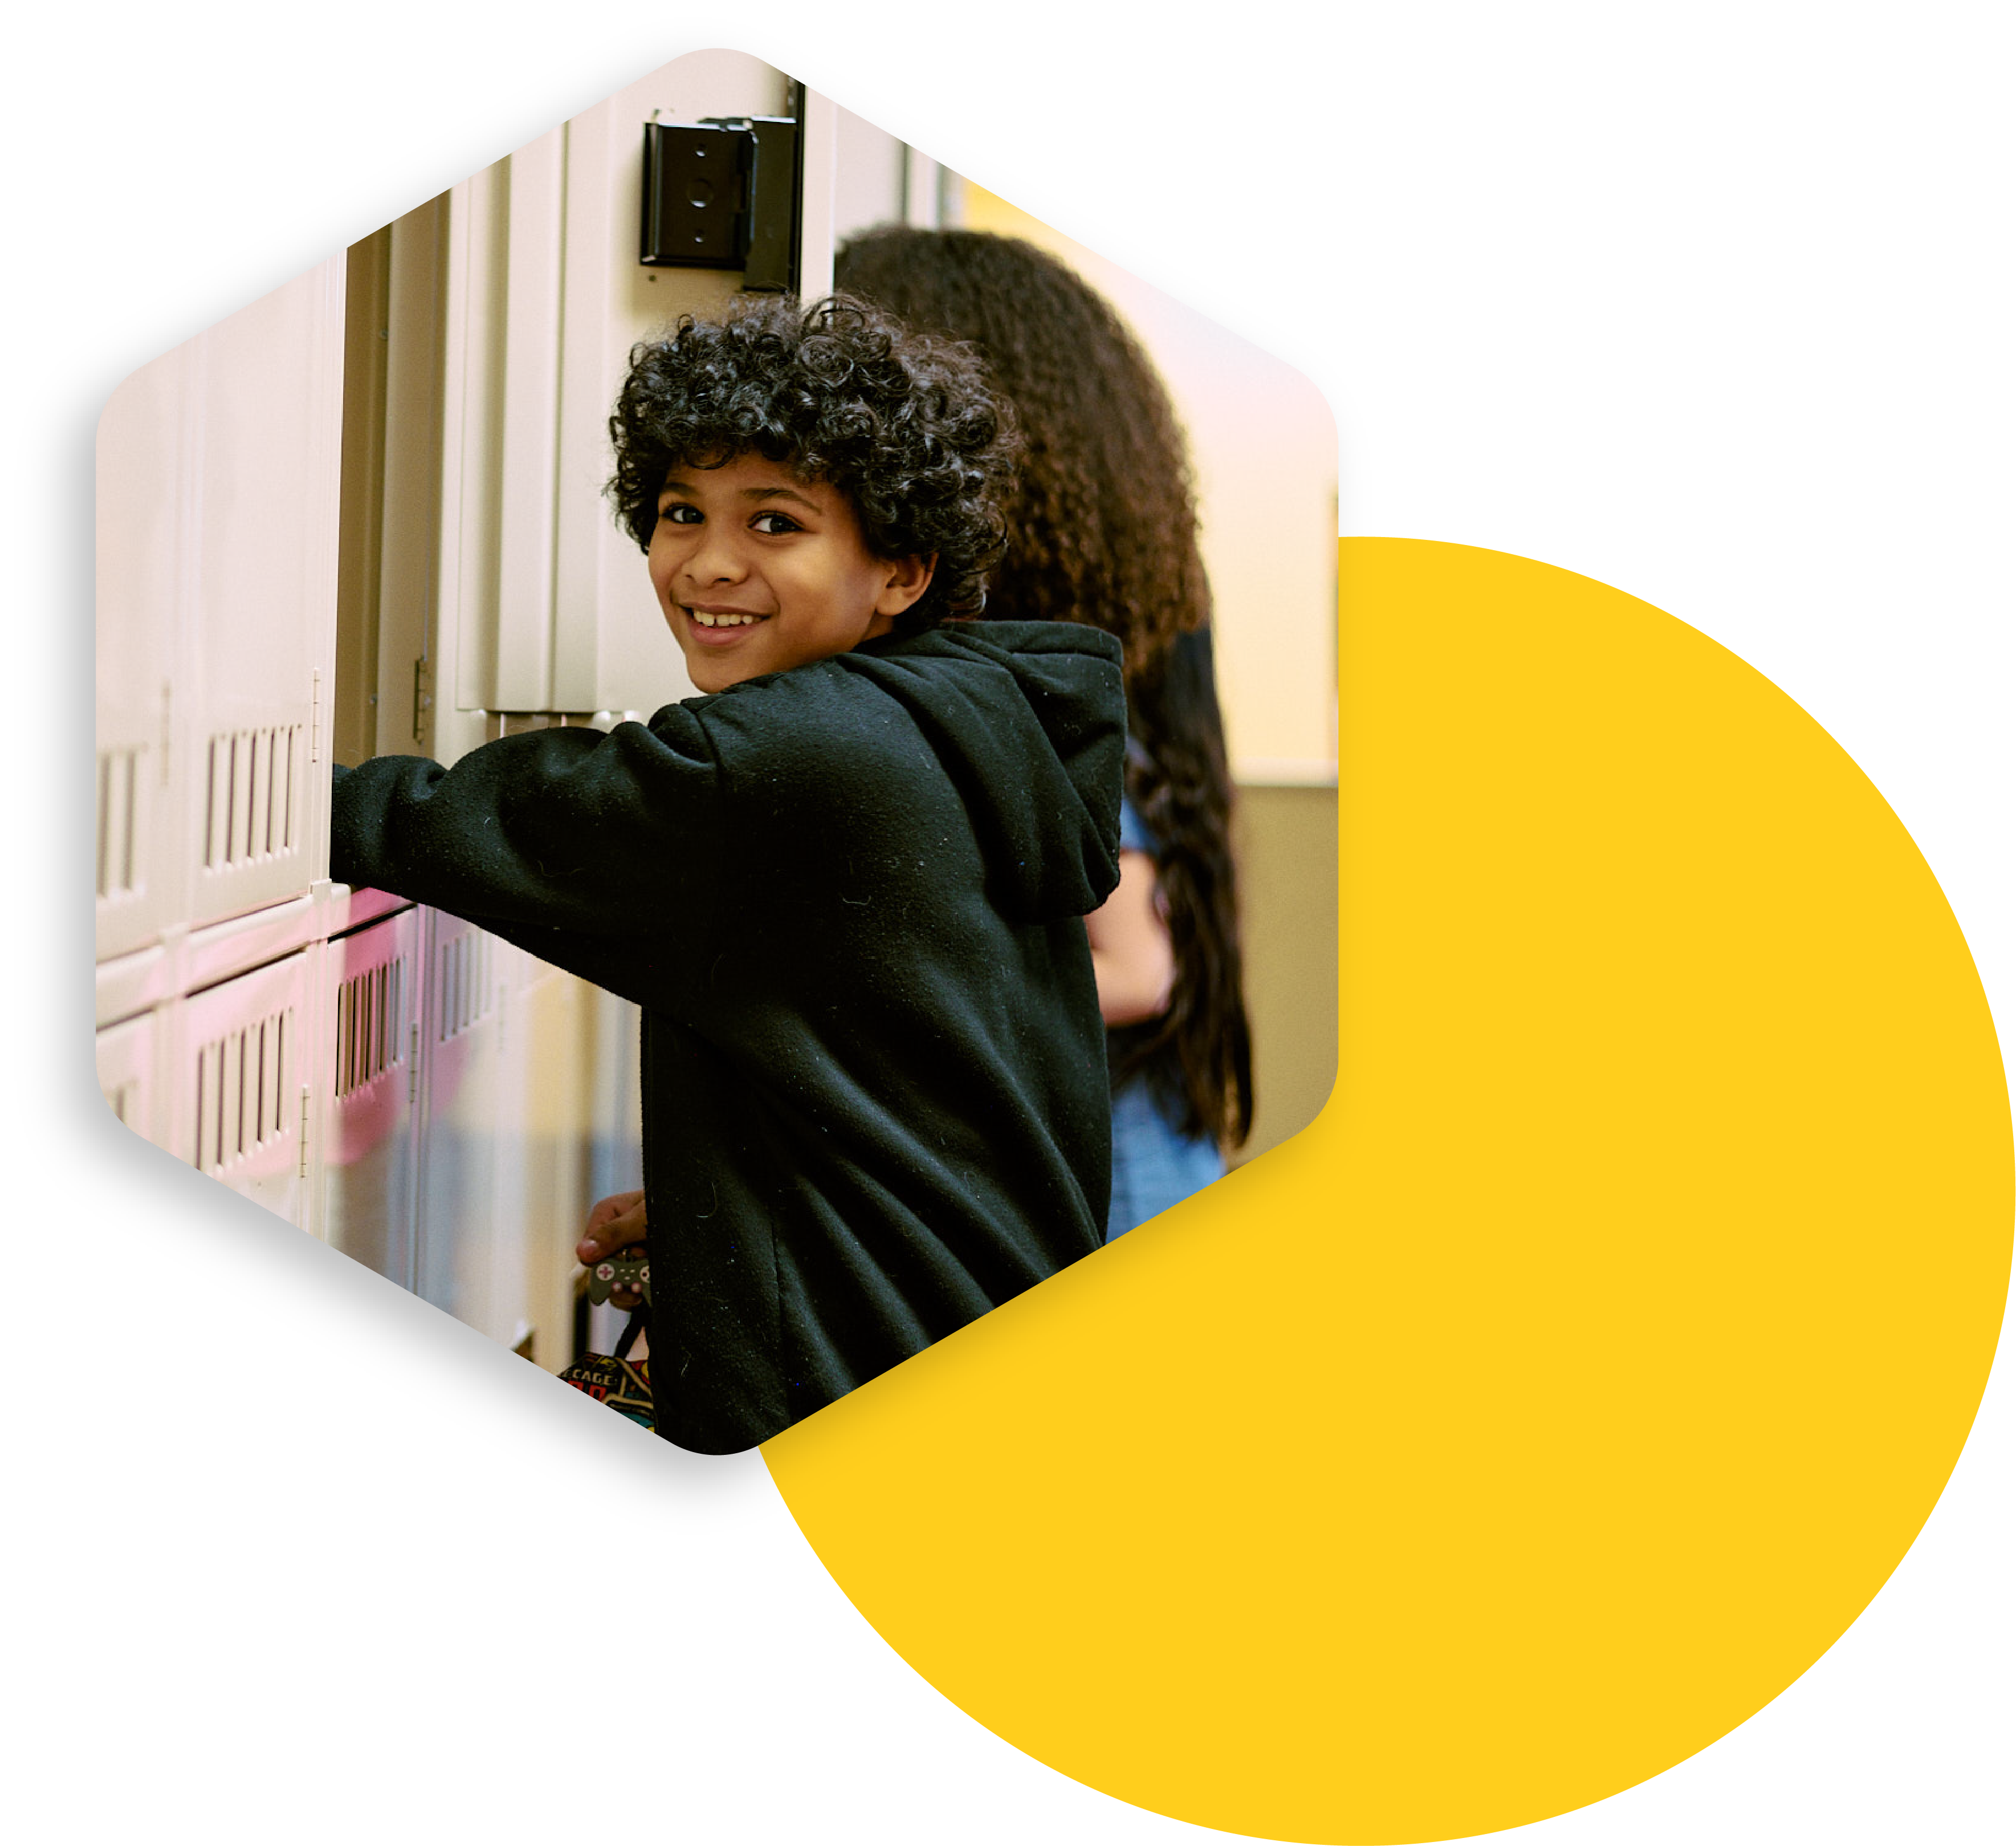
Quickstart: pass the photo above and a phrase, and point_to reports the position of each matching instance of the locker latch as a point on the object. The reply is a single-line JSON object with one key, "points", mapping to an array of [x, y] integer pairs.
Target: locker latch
{"points": [[722, 193], [423, 697]]}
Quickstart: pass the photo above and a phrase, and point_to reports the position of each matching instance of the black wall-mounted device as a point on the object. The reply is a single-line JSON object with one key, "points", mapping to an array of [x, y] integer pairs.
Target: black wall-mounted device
{"points": [[723, 194]]}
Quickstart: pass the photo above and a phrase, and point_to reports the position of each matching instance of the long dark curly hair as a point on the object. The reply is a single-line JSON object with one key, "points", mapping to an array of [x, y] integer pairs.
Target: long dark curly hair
{"points": [[904, 424], [1103, 529]]}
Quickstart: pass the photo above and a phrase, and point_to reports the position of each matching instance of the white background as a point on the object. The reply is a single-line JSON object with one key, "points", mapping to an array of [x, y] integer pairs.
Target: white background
{"points": [[1710, 301]]}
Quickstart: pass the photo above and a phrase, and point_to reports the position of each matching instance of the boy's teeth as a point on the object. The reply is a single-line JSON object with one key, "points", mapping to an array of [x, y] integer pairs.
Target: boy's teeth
{"points": [[707, 621]]}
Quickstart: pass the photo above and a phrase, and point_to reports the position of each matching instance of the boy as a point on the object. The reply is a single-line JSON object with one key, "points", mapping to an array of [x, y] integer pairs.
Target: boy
{"points": [[844, 883]]}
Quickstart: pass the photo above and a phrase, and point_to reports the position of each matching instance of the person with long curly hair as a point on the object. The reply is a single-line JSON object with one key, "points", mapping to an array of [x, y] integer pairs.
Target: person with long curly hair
{"points": [[1103, 532], [845, 884]]}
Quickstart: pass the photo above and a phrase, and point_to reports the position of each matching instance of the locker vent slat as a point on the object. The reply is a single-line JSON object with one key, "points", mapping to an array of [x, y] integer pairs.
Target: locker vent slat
{"points": [[249, 802], [367, 1045], [118, 783], [241, 1083], [465, 995]]}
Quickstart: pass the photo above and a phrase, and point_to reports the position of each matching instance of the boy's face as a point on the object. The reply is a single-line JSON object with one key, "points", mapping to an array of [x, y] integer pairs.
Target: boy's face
{"points": [[756, 571]]}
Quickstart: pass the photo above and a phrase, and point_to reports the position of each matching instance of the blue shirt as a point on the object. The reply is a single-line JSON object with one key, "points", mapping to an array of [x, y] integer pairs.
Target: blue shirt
{"points": [[1155, 1165]]}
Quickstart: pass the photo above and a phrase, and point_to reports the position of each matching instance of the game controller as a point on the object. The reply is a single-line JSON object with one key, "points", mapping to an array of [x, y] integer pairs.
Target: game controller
{"points": [[624, 1271]]}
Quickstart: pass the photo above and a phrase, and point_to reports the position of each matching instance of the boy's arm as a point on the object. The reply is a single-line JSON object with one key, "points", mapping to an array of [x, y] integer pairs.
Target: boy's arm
{"points": [[615, 835]]}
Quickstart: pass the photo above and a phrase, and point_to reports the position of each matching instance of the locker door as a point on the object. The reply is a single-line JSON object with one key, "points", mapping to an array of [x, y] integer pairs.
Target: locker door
{"points": [[268, 385], [542, 605], [237, 1060], [144, 443], [129, 1077], [610, 650], [557, 1019], [468, 1222], [369, 1079], [511, 306]]}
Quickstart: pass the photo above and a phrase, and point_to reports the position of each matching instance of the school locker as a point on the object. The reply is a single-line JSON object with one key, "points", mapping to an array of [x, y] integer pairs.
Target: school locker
{"points": [[545, 1142], [468, 1228], [144, 446], [512, 305], [239, 1102], [434, 1102], [129, 1075], [216, 523], [368, 1085], [504, 597], [609, 646], [266, 383], [202, 957]]}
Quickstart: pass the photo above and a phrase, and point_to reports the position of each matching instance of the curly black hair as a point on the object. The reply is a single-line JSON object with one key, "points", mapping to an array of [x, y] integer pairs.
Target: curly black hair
{"points": [[904, 424]]}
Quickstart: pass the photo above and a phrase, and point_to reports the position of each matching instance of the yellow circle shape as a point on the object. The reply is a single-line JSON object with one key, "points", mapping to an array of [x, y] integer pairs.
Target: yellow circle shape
{"points": [[1563, 1393]]}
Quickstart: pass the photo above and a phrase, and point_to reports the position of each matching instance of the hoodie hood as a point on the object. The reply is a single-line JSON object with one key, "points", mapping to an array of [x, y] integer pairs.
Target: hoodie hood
{"points": [[1029, 720]]}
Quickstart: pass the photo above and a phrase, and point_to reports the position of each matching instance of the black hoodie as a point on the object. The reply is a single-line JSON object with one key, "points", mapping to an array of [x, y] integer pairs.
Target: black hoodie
{"points": [[847, 897]]}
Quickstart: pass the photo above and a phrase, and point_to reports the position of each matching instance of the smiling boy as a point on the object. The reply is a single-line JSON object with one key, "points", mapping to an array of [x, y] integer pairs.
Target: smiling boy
{"points": [[758, 571], [845, 883]]}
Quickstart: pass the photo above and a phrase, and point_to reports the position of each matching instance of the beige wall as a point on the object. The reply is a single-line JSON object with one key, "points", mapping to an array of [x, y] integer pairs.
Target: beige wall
{"points": [[1285, 839], [1265, 449]]}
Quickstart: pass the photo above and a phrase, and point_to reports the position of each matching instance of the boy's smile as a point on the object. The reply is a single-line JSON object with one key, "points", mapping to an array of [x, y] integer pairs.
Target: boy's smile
{"points": [[757, 570]]}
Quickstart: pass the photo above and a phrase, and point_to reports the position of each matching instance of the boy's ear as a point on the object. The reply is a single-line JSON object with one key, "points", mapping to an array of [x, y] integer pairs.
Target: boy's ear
{"points": [[908, 578]]}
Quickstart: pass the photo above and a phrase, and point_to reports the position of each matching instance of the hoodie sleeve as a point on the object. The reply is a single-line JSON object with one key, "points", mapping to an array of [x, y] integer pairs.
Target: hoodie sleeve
{"points": [[613, 835]]}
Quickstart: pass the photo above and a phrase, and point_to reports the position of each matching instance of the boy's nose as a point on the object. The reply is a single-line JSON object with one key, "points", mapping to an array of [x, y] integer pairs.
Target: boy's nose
{"points": [[716, 559]]}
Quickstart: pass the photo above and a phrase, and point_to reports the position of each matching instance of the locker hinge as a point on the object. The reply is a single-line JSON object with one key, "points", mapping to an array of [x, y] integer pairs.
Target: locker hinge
{"points": [[167, 727], [304, 1132], [413, 1068], [424, 696], [722, 193], [314, 719]]}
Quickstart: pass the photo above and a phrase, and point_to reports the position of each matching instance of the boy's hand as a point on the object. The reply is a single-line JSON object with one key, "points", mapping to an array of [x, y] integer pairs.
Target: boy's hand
{"points": [[615, 1224]]}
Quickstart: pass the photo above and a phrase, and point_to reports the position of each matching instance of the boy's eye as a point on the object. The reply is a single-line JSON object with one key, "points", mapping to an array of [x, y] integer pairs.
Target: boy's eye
{"points": [[680, 513], [784, 523]]}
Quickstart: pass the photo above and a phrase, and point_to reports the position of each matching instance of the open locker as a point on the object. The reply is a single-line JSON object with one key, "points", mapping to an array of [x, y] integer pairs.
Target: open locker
{"points": [[484, 589]]}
